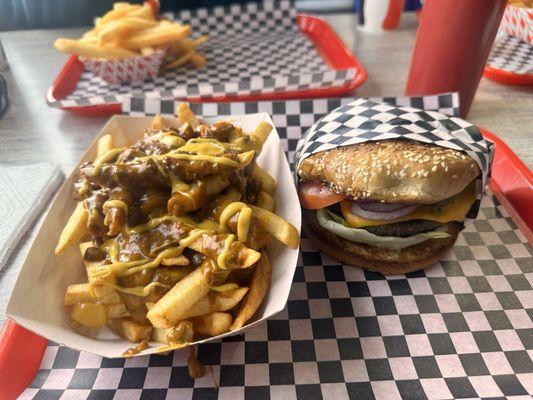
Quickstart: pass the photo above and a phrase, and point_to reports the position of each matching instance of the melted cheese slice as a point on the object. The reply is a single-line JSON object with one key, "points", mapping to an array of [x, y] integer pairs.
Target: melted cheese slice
{"points": [[454, 209]]}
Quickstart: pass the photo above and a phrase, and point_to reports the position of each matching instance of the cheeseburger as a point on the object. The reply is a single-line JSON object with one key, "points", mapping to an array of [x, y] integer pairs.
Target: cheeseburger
{"points": [[390, 206]]}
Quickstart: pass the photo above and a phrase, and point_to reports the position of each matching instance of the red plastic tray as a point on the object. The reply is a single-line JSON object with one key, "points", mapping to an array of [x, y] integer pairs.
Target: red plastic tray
{"points": [[506, 77], [21, 351], [326, 41]]}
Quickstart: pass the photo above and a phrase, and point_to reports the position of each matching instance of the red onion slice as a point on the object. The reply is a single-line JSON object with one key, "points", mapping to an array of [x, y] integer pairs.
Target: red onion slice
{"points": [[381, 207], [381, 216]]}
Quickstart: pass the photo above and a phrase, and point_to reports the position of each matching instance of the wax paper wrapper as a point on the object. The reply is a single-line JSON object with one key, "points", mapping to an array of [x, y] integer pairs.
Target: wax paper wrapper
{"points": [[128, 70], [37, 299], [518, 22], [364, 120]]}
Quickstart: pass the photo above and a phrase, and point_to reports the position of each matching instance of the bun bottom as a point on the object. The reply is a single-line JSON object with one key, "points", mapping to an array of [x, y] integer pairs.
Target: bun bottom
{"points": [[377, 259]]}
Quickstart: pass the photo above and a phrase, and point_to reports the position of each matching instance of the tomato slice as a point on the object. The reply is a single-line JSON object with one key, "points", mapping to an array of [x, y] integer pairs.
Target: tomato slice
{"points": [[317, 195]]}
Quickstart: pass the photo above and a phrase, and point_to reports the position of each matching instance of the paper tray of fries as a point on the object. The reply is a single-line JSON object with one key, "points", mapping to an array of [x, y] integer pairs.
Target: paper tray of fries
{"points": [[38, 299], [518, 20], [130, 44]]}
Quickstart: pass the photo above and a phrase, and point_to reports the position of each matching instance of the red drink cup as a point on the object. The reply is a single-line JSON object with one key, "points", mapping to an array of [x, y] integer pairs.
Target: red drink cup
{"points": [[452, 45]]}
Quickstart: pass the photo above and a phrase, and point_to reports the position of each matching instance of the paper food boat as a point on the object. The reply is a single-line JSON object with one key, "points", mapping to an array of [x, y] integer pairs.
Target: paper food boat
{"points": [[37, 299], [128, 70], [518, 22]]}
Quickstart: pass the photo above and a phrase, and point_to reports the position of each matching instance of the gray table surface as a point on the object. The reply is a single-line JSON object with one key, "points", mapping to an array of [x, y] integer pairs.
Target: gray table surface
{"points": [[32, 132]]}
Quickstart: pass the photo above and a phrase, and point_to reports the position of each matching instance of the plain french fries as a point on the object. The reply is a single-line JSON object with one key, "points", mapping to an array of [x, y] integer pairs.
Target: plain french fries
{"points": [[268, 184], [75, 229], [212, 324], [146, 51], [198, 61], [266, 201], [130, 330], [278, 227], [130, 30], [91, 50], [258, 288], [176, 302], [181, 60], [157, 36]]}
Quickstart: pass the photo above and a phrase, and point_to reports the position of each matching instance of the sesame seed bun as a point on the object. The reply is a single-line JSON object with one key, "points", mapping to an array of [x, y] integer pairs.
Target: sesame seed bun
{"points": [[394, 171], [372, 258]]}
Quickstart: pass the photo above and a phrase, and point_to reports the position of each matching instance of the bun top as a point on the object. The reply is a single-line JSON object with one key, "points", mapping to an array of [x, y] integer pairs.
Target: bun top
{"points": [[393, 171]]}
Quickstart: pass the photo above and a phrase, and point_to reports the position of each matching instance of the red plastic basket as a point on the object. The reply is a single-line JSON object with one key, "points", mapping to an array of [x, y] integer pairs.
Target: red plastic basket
{"points": [[326, 41]]}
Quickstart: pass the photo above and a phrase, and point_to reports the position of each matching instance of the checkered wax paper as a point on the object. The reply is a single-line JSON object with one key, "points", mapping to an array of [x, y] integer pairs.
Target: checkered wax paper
{"points": [[253, 48], [511, 54], [368, 120], [462, 328]]}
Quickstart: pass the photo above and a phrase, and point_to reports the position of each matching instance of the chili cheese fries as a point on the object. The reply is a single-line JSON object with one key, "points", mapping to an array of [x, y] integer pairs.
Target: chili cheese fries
{"points": [[172, 230]]}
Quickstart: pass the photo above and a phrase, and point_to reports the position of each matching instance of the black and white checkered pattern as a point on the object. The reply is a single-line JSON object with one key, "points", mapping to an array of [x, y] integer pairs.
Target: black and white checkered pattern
{"points": [[252, 49], [460, 329], [511, 54], [365, 120]]}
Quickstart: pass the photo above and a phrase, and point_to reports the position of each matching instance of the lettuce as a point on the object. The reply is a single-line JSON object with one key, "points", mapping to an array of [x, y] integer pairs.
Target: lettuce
{"points": [[337, 225]]}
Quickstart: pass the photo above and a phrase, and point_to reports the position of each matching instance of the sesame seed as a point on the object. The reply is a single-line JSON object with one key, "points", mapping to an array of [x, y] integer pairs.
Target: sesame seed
{"points": [[434, 169]]}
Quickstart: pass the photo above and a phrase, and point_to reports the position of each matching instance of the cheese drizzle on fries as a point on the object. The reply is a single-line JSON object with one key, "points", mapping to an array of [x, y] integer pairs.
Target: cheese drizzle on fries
{"points": [[130, 30], [172, 231]]}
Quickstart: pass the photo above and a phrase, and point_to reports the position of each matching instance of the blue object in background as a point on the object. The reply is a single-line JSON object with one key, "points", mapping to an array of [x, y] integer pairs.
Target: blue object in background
{"points": [[410, 5]]}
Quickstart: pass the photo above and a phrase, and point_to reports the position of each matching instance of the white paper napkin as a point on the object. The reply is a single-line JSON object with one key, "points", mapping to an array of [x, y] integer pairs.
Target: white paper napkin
{"points": [[24, 190]]}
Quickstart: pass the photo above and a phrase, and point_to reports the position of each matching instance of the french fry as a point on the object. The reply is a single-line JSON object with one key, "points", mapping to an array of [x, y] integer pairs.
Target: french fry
{"points": [[181, 60], [157, 123], [227, 300], [91, 50], [265, 201], [105, 143], [258, 288], [78, 293], [220, 302], [156, 36], [185, 115], [280, 229], [123, 5], [212, 324], [144, 12], [146, 51], [199, 41], [117, 311], [130, 330], [119, 28], [75, 229], [183, 332], [260, 135], [175, 303], [81, 293], [268, 184], [198, 61], [203, 307]]}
